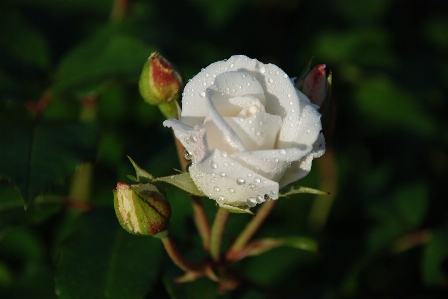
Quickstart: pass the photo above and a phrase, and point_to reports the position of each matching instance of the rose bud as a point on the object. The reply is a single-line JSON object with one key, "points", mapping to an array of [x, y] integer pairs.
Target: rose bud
{"points": [[141, 209], [315, 85], [161, 84]]}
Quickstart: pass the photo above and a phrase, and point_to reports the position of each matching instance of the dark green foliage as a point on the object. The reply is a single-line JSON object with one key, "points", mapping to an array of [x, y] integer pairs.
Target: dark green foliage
{"points": [[69, 97]]}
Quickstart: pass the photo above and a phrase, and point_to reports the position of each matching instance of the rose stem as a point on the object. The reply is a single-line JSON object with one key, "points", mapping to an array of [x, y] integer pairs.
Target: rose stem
{"points": [[217, 231], [252, 227], [199, 217], [176, 257]]}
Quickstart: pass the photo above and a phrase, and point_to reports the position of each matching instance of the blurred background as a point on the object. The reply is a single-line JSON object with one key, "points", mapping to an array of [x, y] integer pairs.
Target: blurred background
{"points": [[68, 95]]}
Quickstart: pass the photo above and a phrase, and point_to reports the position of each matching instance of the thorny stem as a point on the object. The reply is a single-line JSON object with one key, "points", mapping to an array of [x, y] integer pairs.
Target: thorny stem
{"points": [[217, 231], [200, 220], [251, 228]]}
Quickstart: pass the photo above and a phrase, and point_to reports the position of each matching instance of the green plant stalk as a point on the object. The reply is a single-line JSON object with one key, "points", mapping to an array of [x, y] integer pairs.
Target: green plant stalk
{"points": [[217, 231], [252, 227], [176, 257]]}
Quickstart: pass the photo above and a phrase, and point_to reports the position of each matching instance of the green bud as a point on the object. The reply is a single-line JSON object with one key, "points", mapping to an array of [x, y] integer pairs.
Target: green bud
{"points": [[141, 209], [160, 82]]}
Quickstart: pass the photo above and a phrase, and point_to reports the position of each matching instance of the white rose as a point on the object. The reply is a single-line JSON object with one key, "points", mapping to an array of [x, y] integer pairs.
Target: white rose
{"points": [[248, 130]]}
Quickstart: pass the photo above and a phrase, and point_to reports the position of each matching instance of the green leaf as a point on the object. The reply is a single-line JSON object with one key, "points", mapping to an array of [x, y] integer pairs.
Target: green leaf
{"points": [[182, 181], [13, 214], [434, 255], [108, 54], [142, 175], [236, 210], [35, 157], [18, 38], [99, 259], [299, 189]]}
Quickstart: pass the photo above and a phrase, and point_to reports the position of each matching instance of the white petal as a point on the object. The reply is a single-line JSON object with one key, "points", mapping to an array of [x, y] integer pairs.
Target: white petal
{"points": [[235, 84], [228, 182], [192, 138], [257, 132], [216, 124], [301, 168], [309, 125], [271, 164]]}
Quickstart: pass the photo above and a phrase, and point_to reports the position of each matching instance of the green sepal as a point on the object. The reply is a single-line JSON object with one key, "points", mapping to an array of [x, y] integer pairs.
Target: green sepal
{"points": [[142, 175], [236, 210], [170, 109], [299, 82], [299, 189], [327, 108], [182, 181]]}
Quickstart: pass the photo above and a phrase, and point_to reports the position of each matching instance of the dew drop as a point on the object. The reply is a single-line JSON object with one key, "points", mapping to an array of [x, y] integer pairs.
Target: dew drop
{"points": [[276, 160], [188, 155], [282, 152], [257, 180], [187, 140], [240, 181], [224, 154], [291, 103], [252, 186], [193, 138], [289, 95], [223, 174], [214, 165], [231, 190], [222, 198], [271, 80], [203, 94], [307, 131], [262, 69], [216, 189], [258, 133], [207, 75], [266, 197], [285, 76], [251, 202], [249, 174], [231, 65], [260, 199]]}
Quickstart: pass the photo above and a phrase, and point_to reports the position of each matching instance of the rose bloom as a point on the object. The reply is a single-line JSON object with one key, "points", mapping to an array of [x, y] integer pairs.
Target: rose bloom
{"points": [[248, 131]]}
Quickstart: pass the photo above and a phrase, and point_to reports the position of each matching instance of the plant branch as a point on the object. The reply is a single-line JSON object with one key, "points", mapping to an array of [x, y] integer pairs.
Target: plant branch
{"points": [[251, 228], [217, 231], [176, 257]]}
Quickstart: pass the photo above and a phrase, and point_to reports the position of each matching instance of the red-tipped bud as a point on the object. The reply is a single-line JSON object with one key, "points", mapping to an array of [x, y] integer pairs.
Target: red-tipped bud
{"points": [[315, 85], [141, 209], [160, 82]]}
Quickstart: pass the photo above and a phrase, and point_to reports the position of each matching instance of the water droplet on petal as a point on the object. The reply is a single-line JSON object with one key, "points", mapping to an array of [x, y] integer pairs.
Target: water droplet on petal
{"points": [[251, 202], [252, 186], [260, 199], [193, 138], [240, 181], [282, 152], [223, 174], [231, 190], [222, 198], [271, 80], [231, 65], [289, 95], [188, 155], [257, 180], [249, 174], [266, 197], [216, 189], [214, 165], [223, 154], [203, 94], [262, 69], [291, 103]]}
